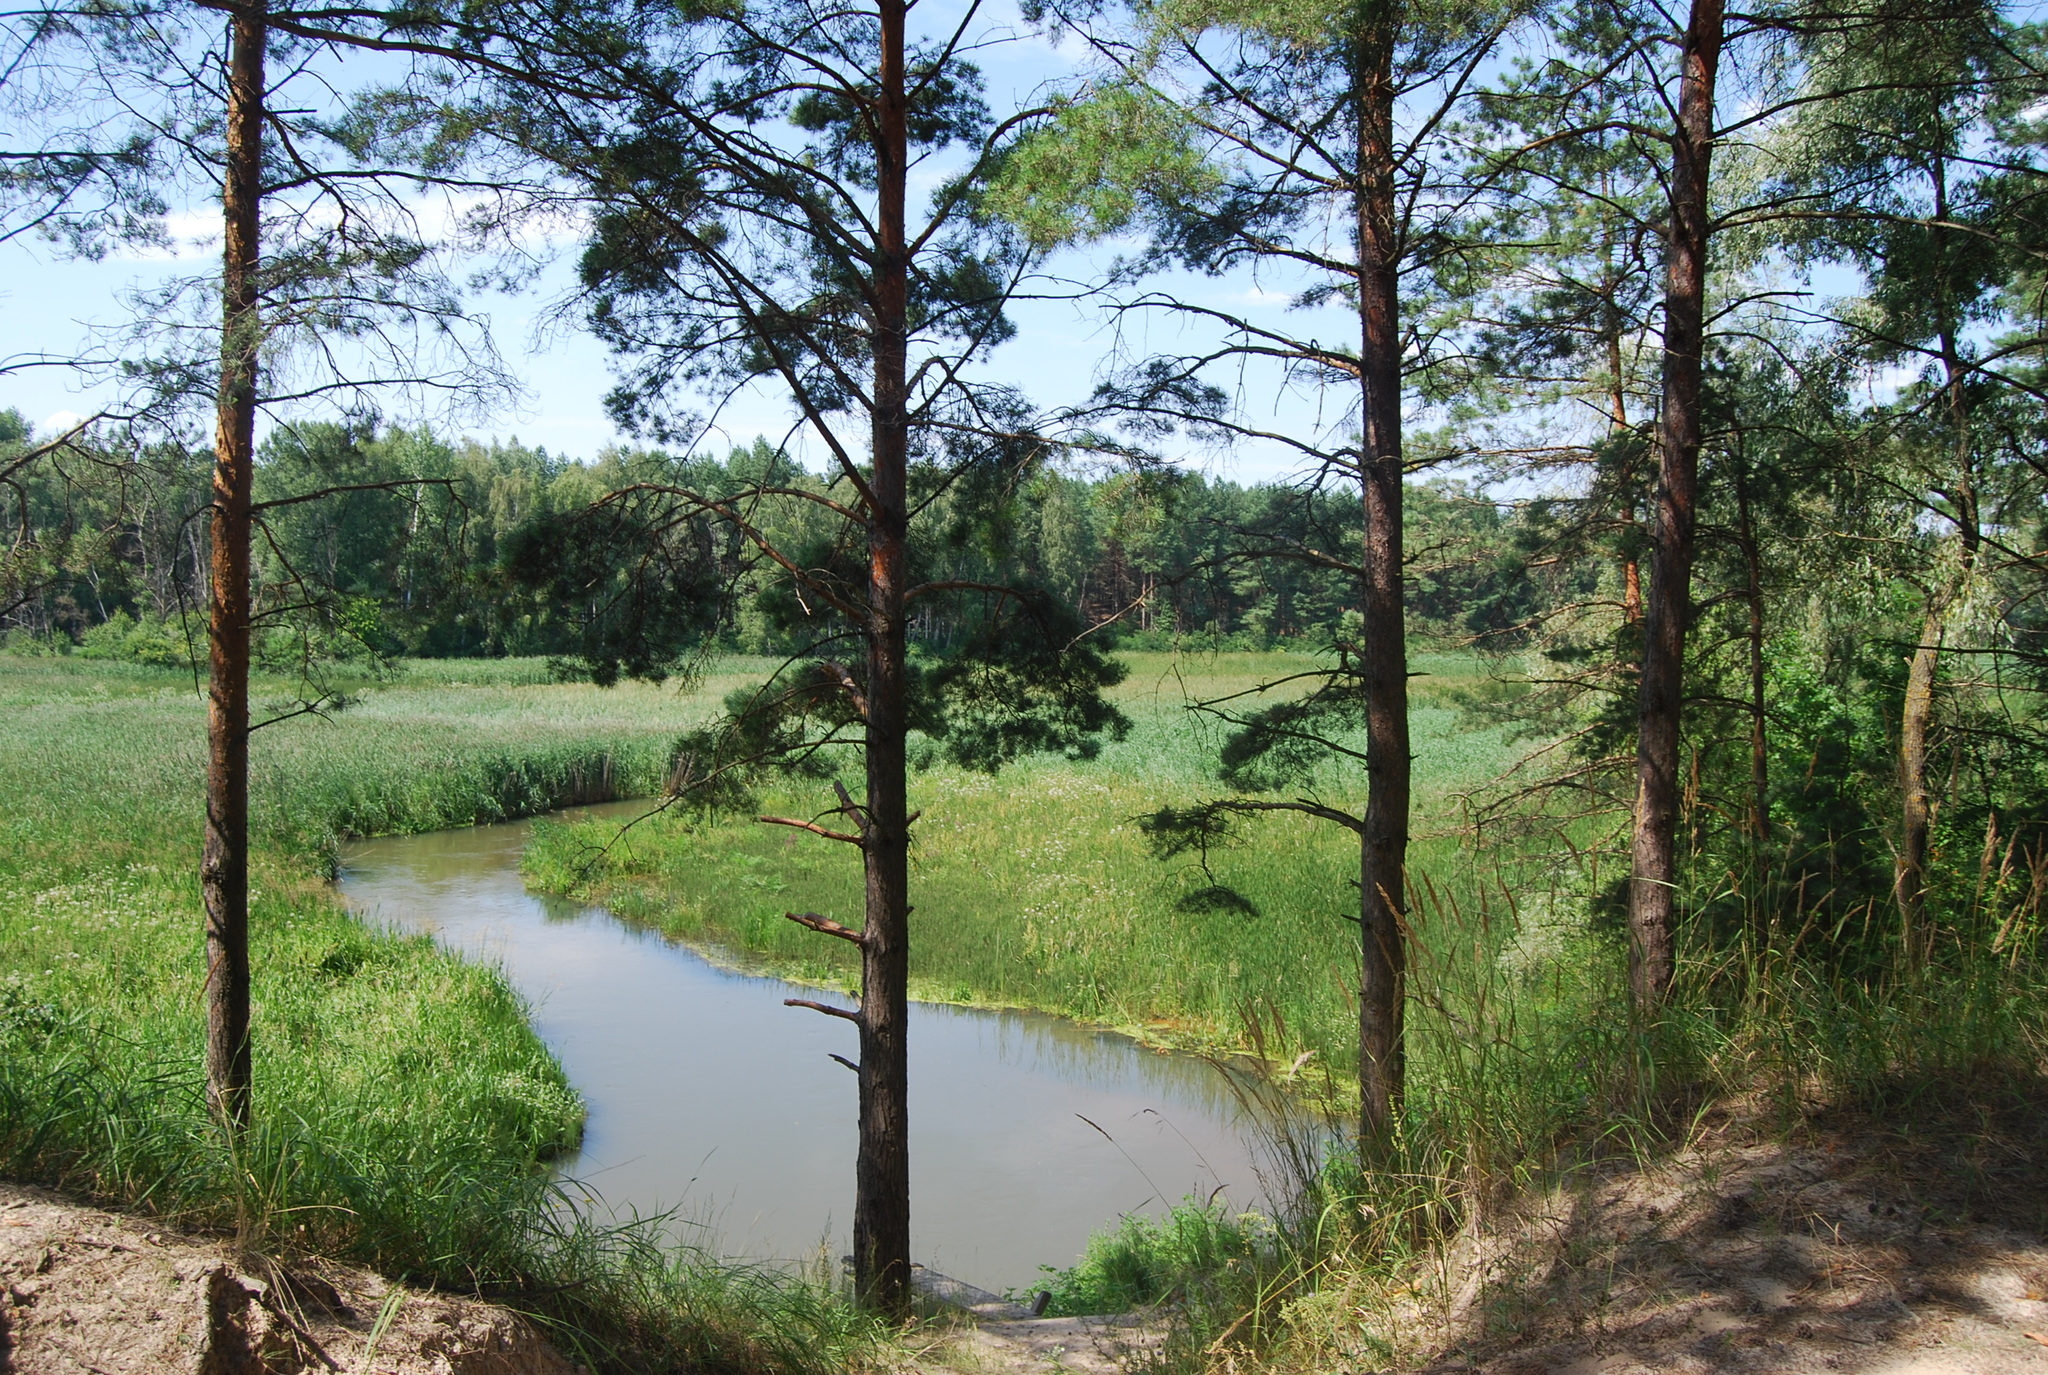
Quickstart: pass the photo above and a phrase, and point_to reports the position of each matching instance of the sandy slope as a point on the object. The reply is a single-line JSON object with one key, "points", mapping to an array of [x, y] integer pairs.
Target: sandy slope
{"points": [[85, 1292], [1849, 1246]]}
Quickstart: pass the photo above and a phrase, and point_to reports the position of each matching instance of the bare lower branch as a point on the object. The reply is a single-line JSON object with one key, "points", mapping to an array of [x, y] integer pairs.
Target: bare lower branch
{"points": [[813, 827], [826, 926], [848, 807], [825, 1008]]}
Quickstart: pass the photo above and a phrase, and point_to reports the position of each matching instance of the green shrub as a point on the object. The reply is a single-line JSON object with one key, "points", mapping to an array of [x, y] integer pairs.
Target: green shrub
{"points": [[1199, 1250], [168, 643]]}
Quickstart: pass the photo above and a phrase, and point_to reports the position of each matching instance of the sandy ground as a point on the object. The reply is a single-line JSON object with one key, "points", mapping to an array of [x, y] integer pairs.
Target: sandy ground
{"points": [[1090, 1346], [85, 1292], [992, 1335], [1848, 1245]]}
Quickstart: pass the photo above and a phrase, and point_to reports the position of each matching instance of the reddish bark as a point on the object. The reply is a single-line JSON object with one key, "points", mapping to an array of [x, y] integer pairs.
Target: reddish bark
{"points": [[1383, 654], [1653, 890], [881, 1209], [224, 866]]}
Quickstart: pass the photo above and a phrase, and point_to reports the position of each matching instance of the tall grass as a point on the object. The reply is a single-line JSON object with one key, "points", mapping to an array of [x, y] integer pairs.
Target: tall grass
{"points": [[404, 1105], [1526, 1071]]}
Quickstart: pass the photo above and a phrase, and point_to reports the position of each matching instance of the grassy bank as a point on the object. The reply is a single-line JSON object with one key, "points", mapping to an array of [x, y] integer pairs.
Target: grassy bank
{"points": [[1035, 887], [403, 1102]]}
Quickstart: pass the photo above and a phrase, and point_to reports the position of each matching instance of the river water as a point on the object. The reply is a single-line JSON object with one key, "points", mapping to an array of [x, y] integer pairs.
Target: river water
{"points": [[709, 1097]]}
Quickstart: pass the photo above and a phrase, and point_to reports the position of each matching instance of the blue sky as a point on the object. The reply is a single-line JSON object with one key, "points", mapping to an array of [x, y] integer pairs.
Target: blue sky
{"points": [[49, 303]]}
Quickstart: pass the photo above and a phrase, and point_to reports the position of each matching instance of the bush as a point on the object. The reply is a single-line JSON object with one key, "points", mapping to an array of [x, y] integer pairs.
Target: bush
{"points": [[167, 643], [1148, 1261]]}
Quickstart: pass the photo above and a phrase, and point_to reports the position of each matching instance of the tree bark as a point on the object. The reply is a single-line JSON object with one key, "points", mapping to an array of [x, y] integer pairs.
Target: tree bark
{"points": [[1916, 723], [1617, 415], [1653, 891], [1759, 827], [224, 866], [881, 1209], [1759, 723], [1383, 657], [1916, 719], [1916, 712]]}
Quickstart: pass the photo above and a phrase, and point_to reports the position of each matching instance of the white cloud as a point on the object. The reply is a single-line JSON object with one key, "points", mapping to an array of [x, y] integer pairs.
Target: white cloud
{"points": [[192, 234], [189, 234], [57, 422]]}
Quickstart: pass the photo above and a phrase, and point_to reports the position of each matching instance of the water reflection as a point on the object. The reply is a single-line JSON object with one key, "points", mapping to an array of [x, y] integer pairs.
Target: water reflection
{"points": [[708, 1096]]}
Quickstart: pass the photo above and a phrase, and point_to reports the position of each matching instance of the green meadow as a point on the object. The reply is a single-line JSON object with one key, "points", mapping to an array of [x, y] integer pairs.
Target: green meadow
{"points": [[406, 1110]]}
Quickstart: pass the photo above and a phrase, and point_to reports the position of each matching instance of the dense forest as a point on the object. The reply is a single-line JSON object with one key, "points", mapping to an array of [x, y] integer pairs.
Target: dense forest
{"points": [[423, 561], [1687, 373]]}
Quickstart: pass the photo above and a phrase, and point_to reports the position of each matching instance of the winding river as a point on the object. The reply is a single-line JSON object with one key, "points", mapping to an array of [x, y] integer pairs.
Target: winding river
{"points": [[709, 1097]]}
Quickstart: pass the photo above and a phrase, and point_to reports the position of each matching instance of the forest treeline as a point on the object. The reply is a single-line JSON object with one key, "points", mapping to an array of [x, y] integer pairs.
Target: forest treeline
{"points": [[426, 560]]}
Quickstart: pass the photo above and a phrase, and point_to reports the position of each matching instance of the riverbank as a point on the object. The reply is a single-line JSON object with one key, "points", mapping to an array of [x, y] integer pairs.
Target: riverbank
{"points": [[1840, 1243], [1035, 888], [709, 1097], [404, 1105]]}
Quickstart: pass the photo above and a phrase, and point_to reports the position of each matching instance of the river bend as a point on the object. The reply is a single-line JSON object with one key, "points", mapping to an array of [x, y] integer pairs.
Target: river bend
{"points": [[708, 1096]]}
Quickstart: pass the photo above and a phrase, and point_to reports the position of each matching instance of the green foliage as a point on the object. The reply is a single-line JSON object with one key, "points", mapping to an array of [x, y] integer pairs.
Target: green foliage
{"points": [[164, 644], [1090, 170], [1023, 683], [456, 549], [639, 595], [1144, 1262]]}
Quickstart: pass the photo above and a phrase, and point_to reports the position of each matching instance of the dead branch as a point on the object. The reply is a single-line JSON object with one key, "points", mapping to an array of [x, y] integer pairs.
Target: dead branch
{"points": [[826, 926], [825, 1008]]}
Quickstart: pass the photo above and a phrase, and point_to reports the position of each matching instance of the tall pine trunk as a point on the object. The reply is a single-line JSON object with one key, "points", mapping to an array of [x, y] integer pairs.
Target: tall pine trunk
{"points": [[1916, 724], [1617, 426], [881, 1209], [1916, 811], [1653, 890], [224, 867], [1383, 655]]}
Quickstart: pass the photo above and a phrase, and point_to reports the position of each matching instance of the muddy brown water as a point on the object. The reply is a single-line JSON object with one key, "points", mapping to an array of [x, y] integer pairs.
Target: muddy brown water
{"points": [[710, 1098]]}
